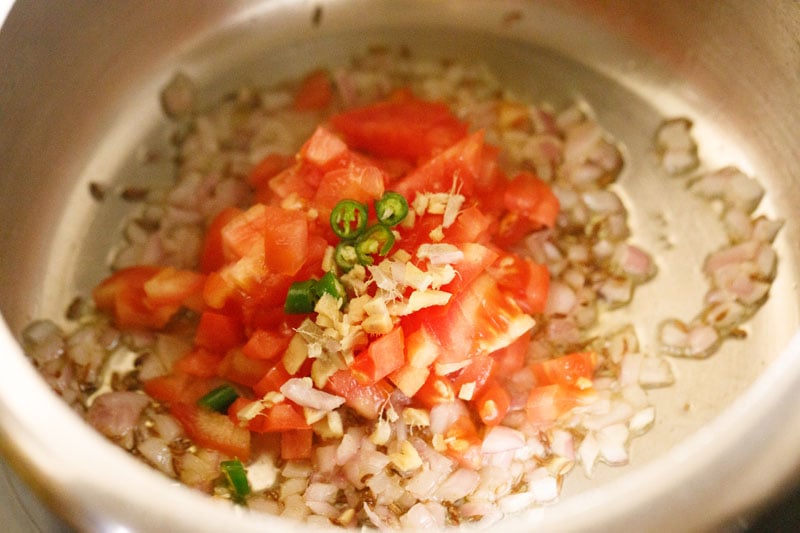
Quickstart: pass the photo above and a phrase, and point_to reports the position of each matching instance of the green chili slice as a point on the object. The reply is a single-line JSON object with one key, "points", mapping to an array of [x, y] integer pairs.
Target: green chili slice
{"points": [[348, 219], [301, 297], [219, 399], [330, 284], [377, 240], [345, 256], [391, 209], [236, 476]]}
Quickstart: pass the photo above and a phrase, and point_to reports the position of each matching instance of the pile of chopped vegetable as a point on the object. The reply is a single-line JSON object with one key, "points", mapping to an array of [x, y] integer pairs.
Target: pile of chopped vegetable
{"points": [[373, 299]]}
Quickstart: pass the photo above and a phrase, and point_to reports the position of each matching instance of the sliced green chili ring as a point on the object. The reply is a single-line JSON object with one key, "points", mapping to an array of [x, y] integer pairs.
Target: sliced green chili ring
{"points": [[219, 399], [391, 209], [345, 256], [377, 240], [330, 284], [349, 219], [301, 297], [236, 476]]}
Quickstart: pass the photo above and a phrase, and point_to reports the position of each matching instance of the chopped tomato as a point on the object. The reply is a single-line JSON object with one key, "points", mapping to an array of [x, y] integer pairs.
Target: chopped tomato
{"points": [[362, 183], [404, 128], [123, 295], [315, 92], [547, 403], [492, 404], [479, 320], [383, 356], [477, 258], [471, 226], [199, 362], [273, 379], [175, 287], [366, 400], [239, 368], [218, 333], [409, 379], [576, 369], [213, 255], [280, 417], [436, 389], [512, 358], [213, 430], [457, 167], [265, 344], [526, 280], [285, 235], [463, 442], [480, 370], [297, 444], [244, 232], [266, 169], [325, 150], [530, 197]]}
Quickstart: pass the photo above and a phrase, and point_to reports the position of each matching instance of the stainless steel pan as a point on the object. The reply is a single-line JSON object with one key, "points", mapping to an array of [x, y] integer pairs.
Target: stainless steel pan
{"points": [[78, 96]]}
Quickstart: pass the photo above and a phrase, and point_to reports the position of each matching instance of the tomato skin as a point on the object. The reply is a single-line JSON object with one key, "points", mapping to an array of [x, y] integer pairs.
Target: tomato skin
{"points": [[281, 417], [545, 404], [403, 127], [123, 295], [315, 93], [239, 368], [366, 400], [272, 380], [199, 362], [479, 371], [530, 197], [213, 430], [285, 235], [297, 444], [436, 389], [218, 333], [265, 344], [492, 404], [213, 255], [526, 280], [463, 159], [570, 369], [383, 356]]}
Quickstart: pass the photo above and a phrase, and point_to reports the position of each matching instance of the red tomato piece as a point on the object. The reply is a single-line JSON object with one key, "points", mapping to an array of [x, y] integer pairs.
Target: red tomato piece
{"points": [[213, 255], [199, 362], [568, 369], [362, 183], [464, 443], [471, 226], [244, 232], [547, 403], [123, 295], [492, 404], [168, 388], [512, 358], [366, 400], [480, 370], [213, 430], [315, 93], [436, 389], [478, 320], [528, 196], [299, 179], [526, 280], [285, 240], [297, 444], [324, 149], [239, 368], [383, 356], [218, 333], [463, 160], [404, 128], [280, 417], [409, 379], [269, 167], [273, 379], [477, 258], [175, 287], [265, 344]]}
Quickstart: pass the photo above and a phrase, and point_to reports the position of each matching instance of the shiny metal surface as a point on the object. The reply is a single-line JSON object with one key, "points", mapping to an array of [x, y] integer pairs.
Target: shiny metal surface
{"points": [[78, 96]]}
